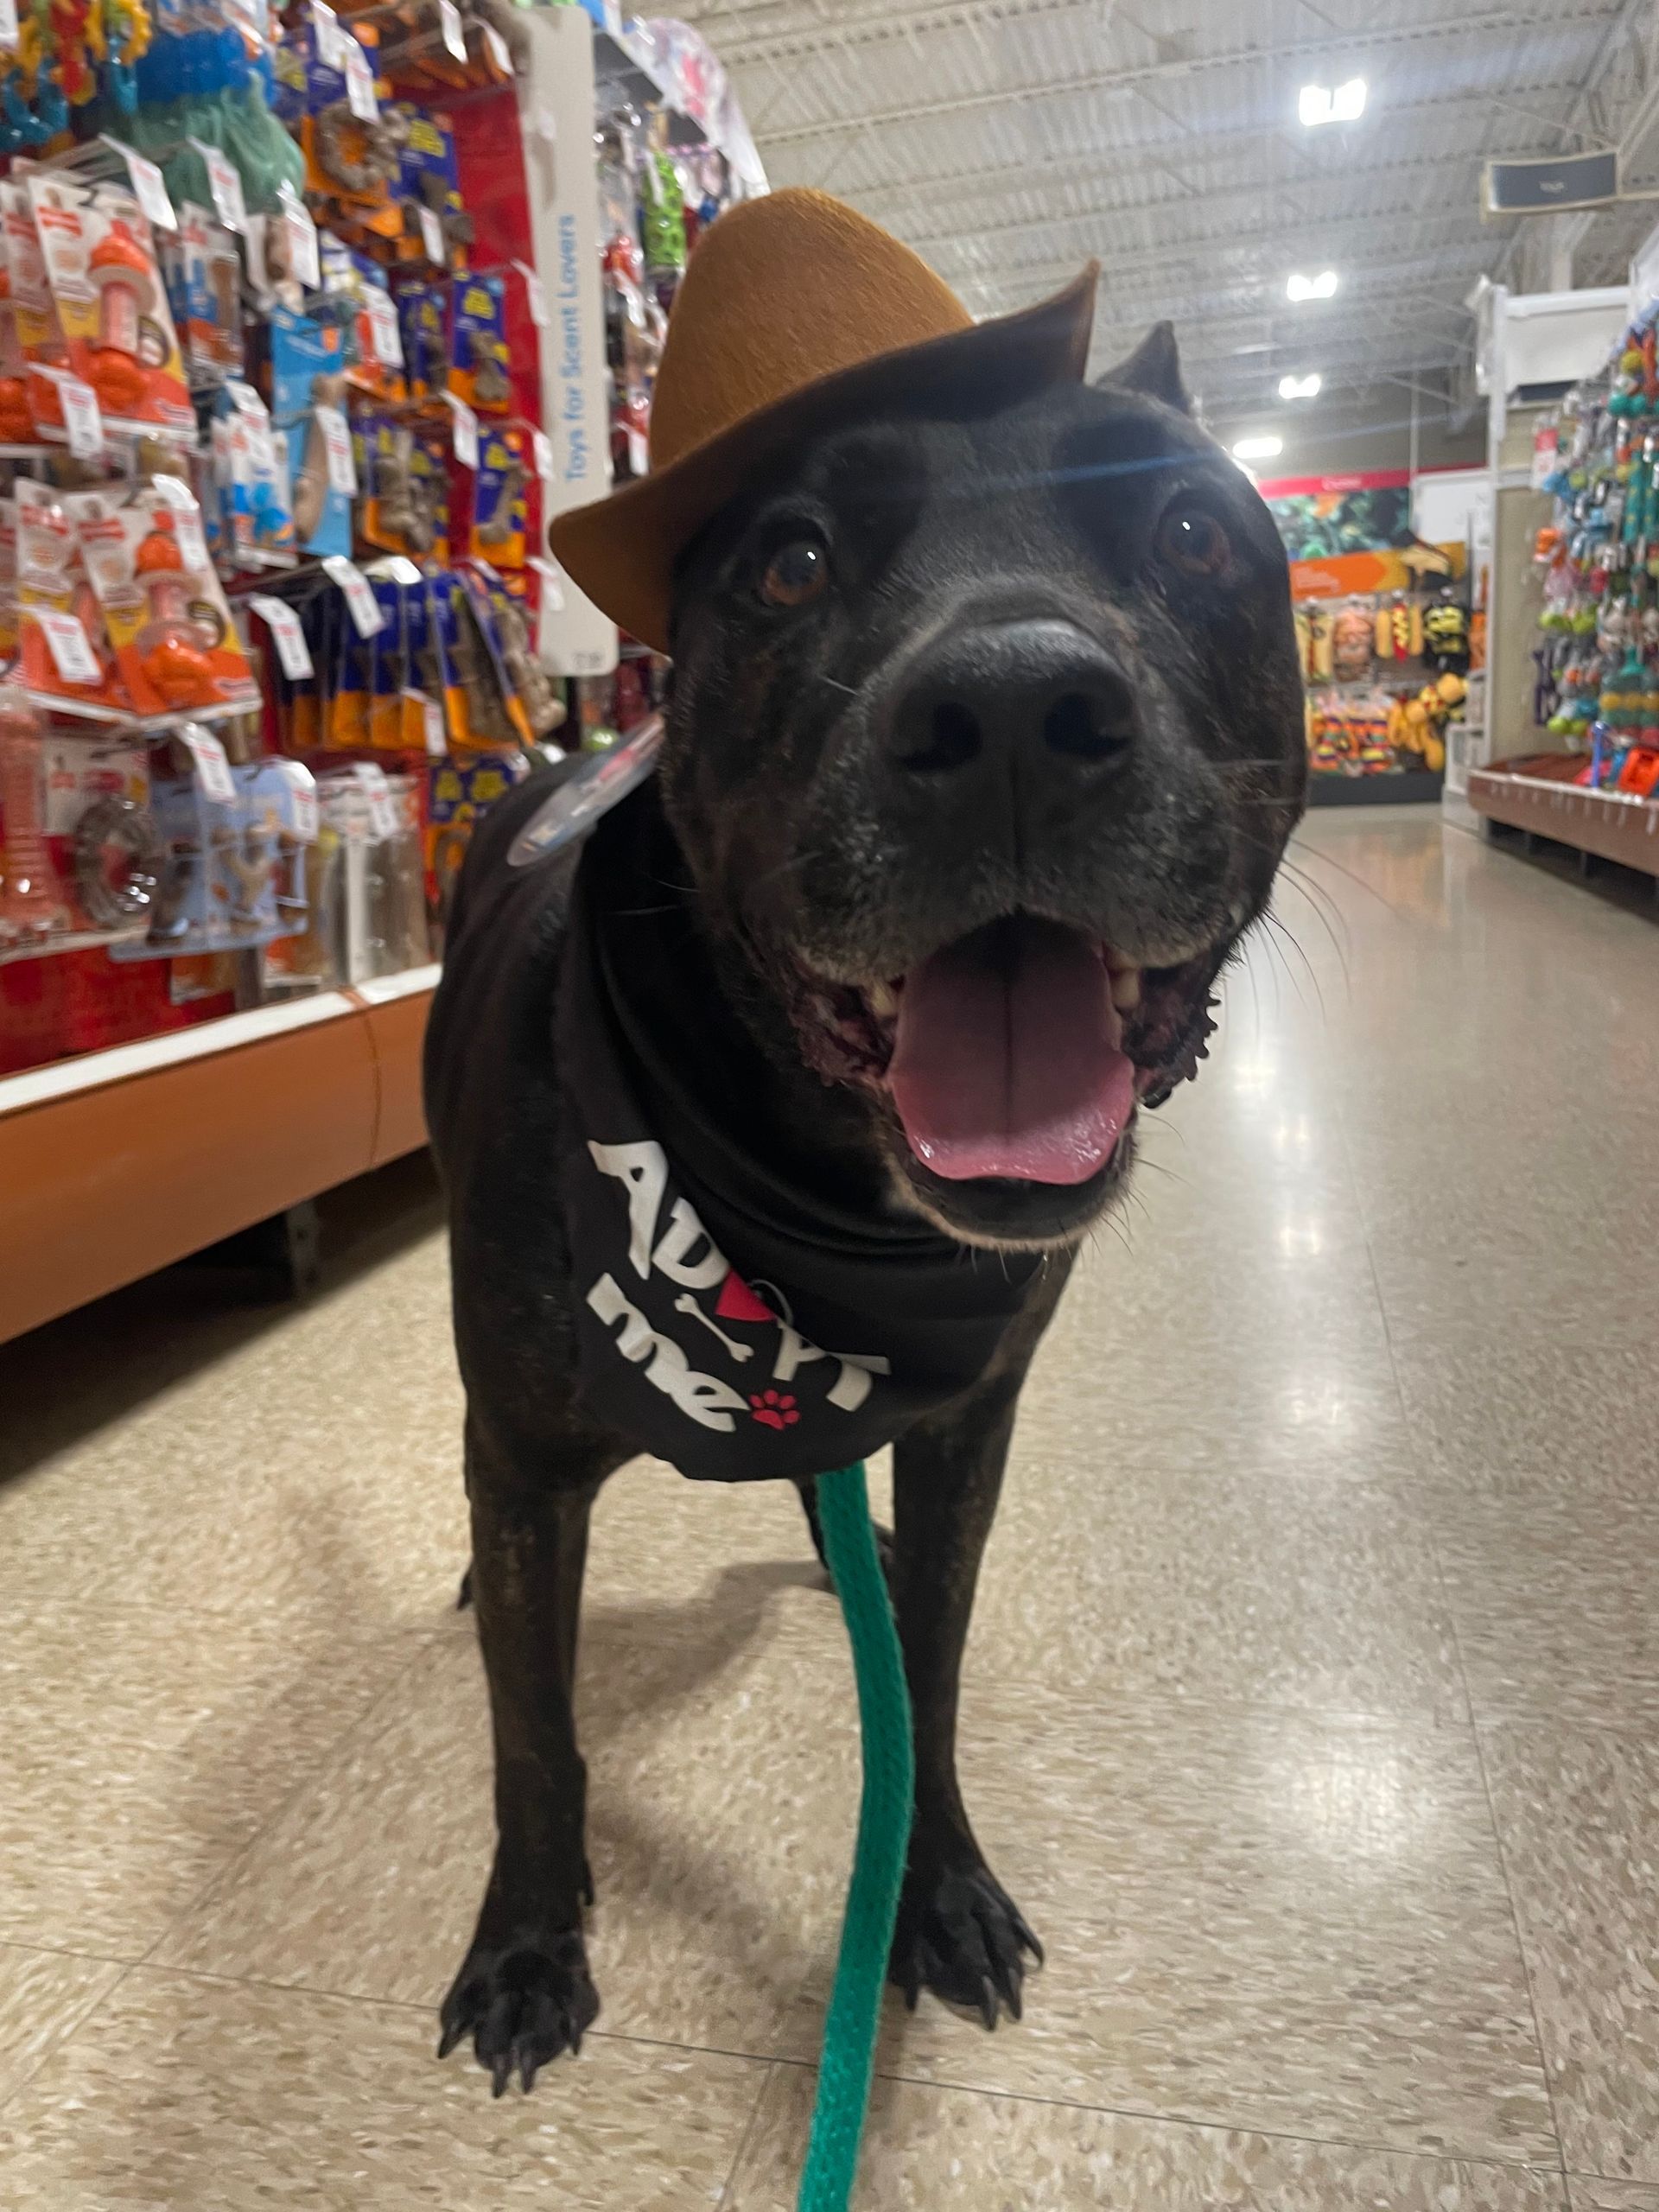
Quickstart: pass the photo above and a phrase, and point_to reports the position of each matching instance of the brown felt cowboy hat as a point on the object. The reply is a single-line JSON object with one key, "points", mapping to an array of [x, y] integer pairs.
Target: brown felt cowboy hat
{"points": [[796, 310]]}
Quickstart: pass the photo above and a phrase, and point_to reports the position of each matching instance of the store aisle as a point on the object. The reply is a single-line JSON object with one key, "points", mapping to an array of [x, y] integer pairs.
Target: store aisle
{"points": [[1310, 1717]]}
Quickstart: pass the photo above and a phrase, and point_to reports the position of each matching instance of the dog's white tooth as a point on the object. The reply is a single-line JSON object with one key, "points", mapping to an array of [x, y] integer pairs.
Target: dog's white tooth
{"points": [[883, 999], [1126, 989]]}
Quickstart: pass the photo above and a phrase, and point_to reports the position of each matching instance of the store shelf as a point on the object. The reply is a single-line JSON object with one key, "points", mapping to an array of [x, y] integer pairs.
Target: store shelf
{"points": [[1610, 825], [122, 1161], [1393, 787]]}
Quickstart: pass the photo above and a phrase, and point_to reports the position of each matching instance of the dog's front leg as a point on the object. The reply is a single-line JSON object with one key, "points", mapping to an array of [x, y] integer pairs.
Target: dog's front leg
{"points": [[524, 1992], [958, 1933]]}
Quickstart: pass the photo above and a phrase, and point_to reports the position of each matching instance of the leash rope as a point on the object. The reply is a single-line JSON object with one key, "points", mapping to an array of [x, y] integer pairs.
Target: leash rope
{"points": [[885, 1810]]}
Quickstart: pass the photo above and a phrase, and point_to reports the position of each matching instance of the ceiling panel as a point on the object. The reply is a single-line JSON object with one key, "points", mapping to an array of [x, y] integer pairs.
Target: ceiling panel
{"points": [[1009, 140]]}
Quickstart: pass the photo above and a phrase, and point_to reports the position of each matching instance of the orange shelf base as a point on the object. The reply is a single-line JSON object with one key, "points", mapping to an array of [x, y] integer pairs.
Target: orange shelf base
{"points": [[129, 1167]]}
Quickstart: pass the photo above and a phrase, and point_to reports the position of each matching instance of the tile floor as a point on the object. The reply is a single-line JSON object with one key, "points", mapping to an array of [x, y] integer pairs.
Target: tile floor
{"points": [[1310, 1714]]}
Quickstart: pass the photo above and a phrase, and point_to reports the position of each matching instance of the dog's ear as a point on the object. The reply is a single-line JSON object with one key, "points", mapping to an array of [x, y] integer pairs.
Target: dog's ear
{"points": [[1155, 368]]}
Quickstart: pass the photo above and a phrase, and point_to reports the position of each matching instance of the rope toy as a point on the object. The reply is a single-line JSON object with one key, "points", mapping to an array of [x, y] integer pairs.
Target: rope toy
{"points": [[884, 1818]]}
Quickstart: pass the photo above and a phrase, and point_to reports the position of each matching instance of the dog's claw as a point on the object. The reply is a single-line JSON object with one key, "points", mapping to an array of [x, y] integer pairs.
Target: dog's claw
{"points": [[522, 2004], [960, 1936]]}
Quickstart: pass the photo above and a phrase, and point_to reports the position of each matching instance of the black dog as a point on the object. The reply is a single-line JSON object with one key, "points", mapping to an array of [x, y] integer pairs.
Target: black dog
{"points": [[985, 742]]}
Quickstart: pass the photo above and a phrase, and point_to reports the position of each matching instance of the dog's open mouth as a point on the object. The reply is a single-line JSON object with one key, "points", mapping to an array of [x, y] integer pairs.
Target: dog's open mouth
{"points": [[1018, 1052]]}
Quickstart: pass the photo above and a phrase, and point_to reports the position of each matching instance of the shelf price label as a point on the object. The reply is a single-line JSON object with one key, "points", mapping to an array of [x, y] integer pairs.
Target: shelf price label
{"points": [[359, 80], [300, 234], [337, 447], [431, 714], [148, 186], [541, 447], [81, 419], [289, 638], [72, 653], [496, 46], [325, 25], [384, 334], [535, 294], [213, 769], [383, 809], [466, 428], [449, 19], [432, 244], [304, 784], [224, 183], [360, 596]]}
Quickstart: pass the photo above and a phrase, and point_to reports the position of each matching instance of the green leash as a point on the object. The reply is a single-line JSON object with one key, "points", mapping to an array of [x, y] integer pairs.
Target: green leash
{"points": [[884, 1818]]}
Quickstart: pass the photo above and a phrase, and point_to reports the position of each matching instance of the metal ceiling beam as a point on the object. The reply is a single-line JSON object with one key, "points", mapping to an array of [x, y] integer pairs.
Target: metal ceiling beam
{"points": [[1060, 169], [882, 27], [932, 243], [1129, 79], [1475, 246]]}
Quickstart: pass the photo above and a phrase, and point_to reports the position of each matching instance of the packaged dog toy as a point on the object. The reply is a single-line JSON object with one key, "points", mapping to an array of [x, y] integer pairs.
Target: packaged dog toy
{"points": [[164, 612], [106, 285], [64, 654], [500, 504], [33, 318], [204, 285], [250, 465], [307, 385], [478, 372]]}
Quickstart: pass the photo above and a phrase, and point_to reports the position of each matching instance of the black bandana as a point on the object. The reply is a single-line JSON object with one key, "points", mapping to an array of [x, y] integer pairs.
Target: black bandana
{"points": [[734, 1320]]}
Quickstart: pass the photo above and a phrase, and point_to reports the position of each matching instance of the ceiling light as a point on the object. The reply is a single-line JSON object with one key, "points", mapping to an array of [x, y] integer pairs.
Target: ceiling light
{"points": [[1319, 104], [1322, 287], [1299, 387], [1258, 449]]}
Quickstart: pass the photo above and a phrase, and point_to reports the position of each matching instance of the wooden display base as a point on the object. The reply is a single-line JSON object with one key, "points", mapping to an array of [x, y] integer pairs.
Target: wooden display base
{"points": [[123, 1161], [1396, 787], [1545, 803]]}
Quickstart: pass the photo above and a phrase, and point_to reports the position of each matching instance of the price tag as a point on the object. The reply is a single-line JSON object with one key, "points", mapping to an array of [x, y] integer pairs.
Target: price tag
{"points": [[226, 184], [366, 614], [535, 293], [304, 784], [496, 46], [326, 23], [432, 243], [292, 651], [432, 721], [384, 334], [382, 810], [454, 37], [552, 584], [213, 769], [337, 445], [74, 659], [396, 568], [300, 234], [149, 186], [81, 418], [244, 397], [466, 424], [542, 446], [359, 80], [638, 453], [186, 534], [9, 31]]}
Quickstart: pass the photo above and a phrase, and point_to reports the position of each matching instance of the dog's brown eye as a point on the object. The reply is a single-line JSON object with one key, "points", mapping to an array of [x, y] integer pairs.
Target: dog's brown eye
{"points": [[1194, 542], [796, 573]]}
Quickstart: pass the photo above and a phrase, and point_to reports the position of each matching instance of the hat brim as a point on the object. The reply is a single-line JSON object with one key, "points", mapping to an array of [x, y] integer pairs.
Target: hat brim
{"points": [[621, 550]]}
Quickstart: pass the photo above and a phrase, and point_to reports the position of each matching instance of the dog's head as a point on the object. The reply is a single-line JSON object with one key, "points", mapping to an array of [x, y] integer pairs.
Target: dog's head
{"points": [[985, 743]]}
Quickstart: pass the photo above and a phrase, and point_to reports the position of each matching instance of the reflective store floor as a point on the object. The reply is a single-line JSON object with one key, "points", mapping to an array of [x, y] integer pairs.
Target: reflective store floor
{"points": [[1310, 1713]]}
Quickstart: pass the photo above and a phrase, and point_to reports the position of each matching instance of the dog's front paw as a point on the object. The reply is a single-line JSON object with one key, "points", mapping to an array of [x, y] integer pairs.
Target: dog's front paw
{"points": [[522, 2004], [960, 1935]]}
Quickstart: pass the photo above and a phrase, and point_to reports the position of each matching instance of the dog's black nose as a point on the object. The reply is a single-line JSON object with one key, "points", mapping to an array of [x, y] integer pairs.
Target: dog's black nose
{"points": [[1041, 690]]}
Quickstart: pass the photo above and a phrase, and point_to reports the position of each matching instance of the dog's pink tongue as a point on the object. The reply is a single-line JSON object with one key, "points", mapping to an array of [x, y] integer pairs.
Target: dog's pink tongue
{"points": [[1008, 1059]]}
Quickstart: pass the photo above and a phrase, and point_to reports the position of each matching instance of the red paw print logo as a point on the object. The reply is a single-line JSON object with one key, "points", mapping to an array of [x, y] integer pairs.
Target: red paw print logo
{"points": [[775, 1408]]}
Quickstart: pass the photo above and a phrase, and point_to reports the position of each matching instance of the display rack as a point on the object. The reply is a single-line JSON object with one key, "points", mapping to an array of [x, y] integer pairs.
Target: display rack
{"points": [[146, 1112]]}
